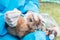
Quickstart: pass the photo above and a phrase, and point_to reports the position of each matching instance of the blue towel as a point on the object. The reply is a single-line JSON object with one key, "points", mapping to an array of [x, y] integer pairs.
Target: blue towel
{"points": [[38, 35]]}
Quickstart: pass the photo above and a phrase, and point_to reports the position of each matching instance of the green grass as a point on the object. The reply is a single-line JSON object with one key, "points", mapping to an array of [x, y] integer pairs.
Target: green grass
{"points": [[58, 38], [53, 9]]}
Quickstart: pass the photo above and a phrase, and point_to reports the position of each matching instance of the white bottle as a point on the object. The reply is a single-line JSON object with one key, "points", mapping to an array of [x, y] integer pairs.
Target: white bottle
{"points": [[51, 36]]}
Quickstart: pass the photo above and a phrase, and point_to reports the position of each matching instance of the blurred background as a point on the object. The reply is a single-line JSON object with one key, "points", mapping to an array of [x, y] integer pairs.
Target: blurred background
{"points": [[52, 7]]}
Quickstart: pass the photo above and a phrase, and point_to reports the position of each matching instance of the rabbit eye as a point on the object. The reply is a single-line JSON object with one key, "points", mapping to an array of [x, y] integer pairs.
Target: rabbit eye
{"points": [[30, 20]]}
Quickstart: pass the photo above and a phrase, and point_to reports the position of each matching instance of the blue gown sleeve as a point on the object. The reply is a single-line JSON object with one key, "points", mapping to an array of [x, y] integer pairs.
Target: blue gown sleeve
{"points": [[2, 25], [38, 35], [30, 5], [11, 4], [2, 8], [8, 37]]}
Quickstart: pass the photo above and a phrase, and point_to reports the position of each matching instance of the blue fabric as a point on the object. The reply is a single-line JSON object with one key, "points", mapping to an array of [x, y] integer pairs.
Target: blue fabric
{"points": [[2, 25], [20, 4], [11, 4], [2, 7], [6, 5], [47, 37], [8, 37], [29, 37], [30, 5], [38, 35]]}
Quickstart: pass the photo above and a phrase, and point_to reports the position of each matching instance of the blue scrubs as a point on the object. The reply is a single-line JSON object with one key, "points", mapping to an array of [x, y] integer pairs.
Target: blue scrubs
{"points": [[22, 5]]}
